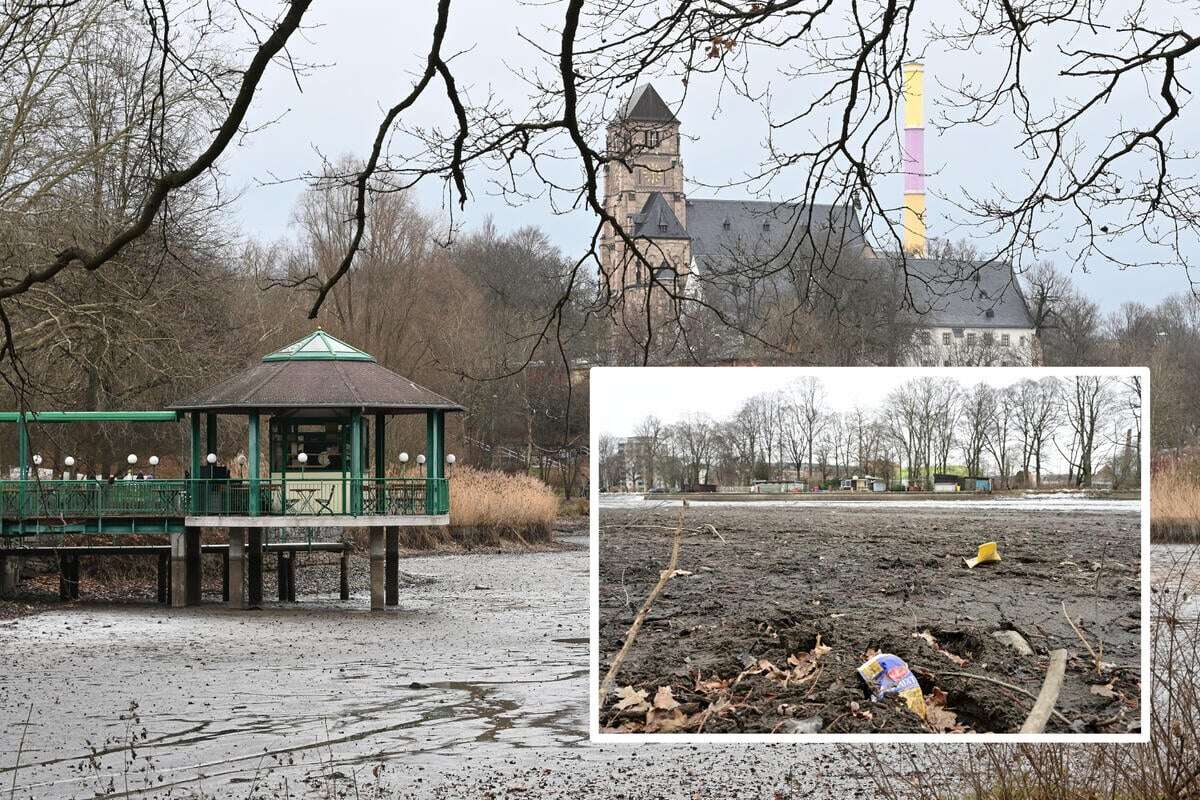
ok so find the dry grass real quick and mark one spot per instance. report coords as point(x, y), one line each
point(1175, 502)
point(499, 500)
point(1175, 492)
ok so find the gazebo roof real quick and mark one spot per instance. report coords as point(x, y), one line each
point(317, 372)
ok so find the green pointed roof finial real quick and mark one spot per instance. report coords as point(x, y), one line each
point(319, 346)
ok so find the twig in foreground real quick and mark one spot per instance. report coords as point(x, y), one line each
point(663, 577)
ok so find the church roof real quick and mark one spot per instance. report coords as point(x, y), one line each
point(657, 220)
point(764, 229)
point(647, 104)
point(960, 293)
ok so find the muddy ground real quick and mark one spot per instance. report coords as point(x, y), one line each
point(475, 687)
point(863, 581)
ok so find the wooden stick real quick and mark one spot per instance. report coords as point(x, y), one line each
point(663, 577)
point(1079, 633)
point(1036, 721)
point(1057, 715)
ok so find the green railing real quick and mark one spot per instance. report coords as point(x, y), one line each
point(297, 496)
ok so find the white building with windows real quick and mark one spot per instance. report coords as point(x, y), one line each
point(971, 314)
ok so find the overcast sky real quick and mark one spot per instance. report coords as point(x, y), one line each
point(368, 51)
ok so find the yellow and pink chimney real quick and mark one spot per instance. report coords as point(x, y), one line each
point(912, 220)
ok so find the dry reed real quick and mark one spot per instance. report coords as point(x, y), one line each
point(500, 500)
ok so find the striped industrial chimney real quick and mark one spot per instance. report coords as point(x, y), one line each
point(913, 218)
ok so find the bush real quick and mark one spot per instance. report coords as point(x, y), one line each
point(483, 499)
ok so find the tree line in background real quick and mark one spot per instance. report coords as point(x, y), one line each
point(923, 427)
point(97, 112)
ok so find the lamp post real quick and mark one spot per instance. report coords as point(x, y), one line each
point(131, 460)
point(69, 461)
point(153, 465)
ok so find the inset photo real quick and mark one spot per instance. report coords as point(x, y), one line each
point(862, 553)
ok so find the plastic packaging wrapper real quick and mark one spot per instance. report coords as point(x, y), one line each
point(887, 675)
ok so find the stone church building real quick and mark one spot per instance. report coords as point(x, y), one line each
point(729, 261)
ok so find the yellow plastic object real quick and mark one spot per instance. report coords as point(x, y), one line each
point(987, 554)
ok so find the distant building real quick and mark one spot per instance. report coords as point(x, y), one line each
point(716, 253)
point(634, 453)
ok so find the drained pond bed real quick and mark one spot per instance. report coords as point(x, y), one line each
point(771, 611)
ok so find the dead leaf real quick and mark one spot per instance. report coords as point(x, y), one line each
point(939, 718)
point(1103, 689)
point(665, 721)
point(680, 573)
point(664, 699)
point(927, 637)
point(632, 699)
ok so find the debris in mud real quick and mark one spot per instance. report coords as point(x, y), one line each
point(987, 554)
point(886, 675)
point(771, 639)
point(927, 637)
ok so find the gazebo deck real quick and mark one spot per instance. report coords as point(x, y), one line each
point(164, 499)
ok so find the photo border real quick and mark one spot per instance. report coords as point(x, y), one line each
point(594, 733)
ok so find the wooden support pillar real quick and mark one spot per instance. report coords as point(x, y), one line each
point(392, 566)
point(236, 568)
point(76, 576)
point(164, 577)
point(191, 538)
point(378, 556)
point(283, 575)
point(225, 576)
point(66, 579)
point(291, 577)
point(344, 590)
point(254, 571)
point(178, 570)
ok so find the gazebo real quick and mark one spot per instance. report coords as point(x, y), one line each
point(326, 404)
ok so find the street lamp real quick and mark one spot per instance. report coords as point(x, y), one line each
point(211, 458)
point(450, 459)
point(37, 459)
point(303, 459)
point(69, 461)
point(153, 465)
point(421, 458)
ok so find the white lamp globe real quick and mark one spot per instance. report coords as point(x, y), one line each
point(421, 458)
point(404, 458)
point(302, 458)
point(37, 458)
point(450, 459)
point(211, 458)
point(154, 461)
point(131, 458)
point(69, 461)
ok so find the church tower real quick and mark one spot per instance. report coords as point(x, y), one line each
point(643, 191)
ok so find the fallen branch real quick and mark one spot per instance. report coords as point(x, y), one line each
point(1007, 685)
point(1082, 638)
point(1036, 721)
point(631, 634)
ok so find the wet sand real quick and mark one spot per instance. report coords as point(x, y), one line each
point(475, 687)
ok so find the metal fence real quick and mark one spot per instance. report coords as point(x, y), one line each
point(224, 497)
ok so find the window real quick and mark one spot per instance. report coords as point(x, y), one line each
point(946, 337)
point(726, 224)
point(1022, 341)
point(971, 339)
point(1004, 339)
point(924, 337)
point(987, 340)
point(650, 138)
point(766, 226)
